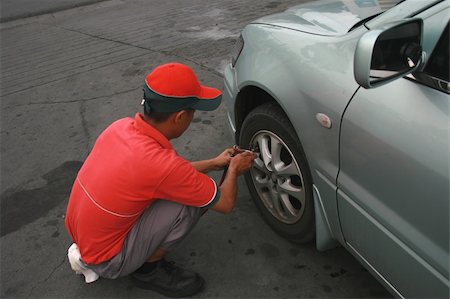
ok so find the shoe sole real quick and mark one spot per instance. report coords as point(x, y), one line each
point(191, 290)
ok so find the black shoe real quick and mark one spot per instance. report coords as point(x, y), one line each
point(169, 280)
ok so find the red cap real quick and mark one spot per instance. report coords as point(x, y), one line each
point(178, 81)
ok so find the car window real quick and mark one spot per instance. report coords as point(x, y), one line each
point(438, 64)
point(436, 71)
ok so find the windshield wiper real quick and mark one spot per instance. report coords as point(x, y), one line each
point(364, 20)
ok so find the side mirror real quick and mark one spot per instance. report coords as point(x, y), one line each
point(387, 53)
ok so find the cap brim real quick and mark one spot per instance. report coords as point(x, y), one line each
point(208, 93)
point(209, 99)
point(207, 104)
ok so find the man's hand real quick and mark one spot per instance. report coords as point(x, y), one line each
point(223, 160)
point(242, 162)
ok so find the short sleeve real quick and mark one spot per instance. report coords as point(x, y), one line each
point(185, 185)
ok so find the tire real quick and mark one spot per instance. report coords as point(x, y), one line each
point(280, 180)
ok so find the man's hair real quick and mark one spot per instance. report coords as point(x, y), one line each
point(158, 117)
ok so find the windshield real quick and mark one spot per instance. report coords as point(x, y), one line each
point(384, 5)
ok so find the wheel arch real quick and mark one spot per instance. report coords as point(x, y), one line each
point(253, 95)
point(248, 98)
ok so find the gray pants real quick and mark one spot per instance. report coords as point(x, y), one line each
point(162, 225)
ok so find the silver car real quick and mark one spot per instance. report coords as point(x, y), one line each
point(347, 104)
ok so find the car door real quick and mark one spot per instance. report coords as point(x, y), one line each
point(393, 184)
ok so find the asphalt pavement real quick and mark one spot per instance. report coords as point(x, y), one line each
point(11, 10)
point(65, 77)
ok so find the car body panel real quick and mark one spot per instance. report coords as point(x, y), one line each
point(383, 174)
point(299, 71)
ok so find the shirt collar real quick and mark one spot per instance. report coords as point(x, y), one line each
point(142, 126)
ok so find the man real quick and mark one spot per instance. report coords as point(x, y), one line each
point(135, 199)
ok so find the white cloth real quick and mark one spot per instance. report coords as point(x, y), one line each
point(77, 265)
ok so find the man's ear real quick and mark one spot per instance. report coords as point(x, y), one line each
point(178, 116)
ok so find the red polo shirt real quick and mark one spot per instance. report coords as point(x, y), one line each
point(130, 166)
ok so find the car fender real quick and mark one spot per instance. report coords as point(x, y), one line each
point(287, 65)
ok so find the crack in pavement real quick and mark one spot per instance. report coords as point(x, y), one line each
point(165, 52)
point(82, 109)
point(45, 279)
point(82, 100)
point(84, 125)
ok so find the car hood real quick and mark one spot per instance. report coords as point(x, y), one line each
point(327, 17)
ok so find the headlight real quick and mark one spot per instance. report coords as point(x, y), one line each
point(237, 50)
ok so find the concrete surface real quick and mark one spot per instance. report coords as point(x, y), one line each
point(64, 78)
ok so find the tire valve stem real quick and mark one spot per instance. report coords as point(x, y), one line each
point(239, 150)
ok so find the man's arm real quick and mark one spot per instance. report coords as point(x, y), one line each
point(239, 164)
point(216, 163)
point(205, 166)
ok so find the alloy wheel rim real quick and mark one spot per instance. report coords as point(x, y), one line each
point(277, 177)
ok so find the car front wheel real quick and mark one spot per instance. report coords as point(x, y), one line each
point(279, 181)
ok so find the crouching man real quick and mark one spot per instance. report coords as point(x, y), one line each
point(135, 199)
